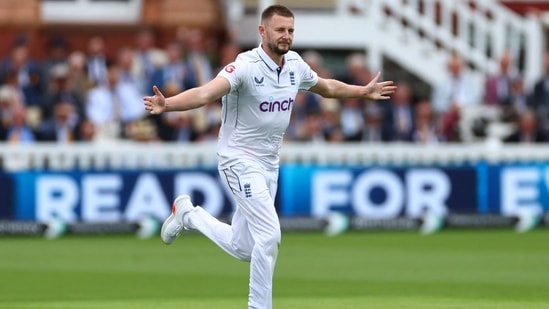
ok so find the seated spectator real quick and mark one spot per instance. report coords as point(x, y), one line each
point(142, 130)
point(321, 125)
point(128, 89)
point(124, 62)
point(136, 125)
point(61, 126)
point(147, 58)
point(11, 80)
point(312, 129)
point(527, 130)
point(112, 107)
point(23, 73)
point(335, 135)
point(18, 131)
point(497, 87)
point(57, 52)
point(96, 61)
point(164, 123)
point(425, 129)
point(80, 84)
point(103, 106)
point(357, 71)
point(517, 103)
point(398, 118)
point(197, 58)
point(85, 131)
point(180, 127)
point(175, 71)
point(457, 91)
point(352, 119)
point(332, 120)
point(372, 130)
point(61, 90)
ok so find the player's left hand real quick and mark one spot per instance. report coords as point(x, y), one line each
point(379, 90)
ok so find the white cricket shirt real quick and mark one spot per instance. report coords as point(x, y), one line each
point(256, 112)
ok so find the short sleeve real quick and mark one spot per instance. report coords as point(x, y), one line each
point(234, 73)
point(309, 78)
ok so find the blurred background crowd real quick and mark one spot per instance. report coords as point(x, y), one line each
point(74, 95)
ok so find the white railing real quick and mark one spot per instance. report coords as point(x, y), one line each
point(480, 31)
point(417, 34)
point(129, 155)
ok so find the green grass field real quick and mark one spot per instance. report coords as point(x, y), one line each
point(452, 269)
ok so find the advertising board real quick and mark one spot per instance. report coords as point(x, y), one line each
point(377, 192)
point(374, 192)
point(114, 196)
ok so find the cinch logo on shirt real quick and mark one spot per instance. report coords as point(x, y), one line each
point(275, 106)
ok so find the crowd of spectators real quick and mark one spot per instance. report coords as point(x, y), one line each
point(82, 95)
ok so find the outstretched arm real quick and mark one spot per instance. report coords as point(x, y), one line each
point(189, 99)
point(374, 90)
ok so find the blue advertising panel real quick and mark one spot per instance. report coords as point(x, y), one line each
point(114, 196)
point(518, 187)
point(377, 192)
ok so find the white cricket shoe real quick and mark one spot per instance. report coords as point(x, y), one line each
point(173, 225)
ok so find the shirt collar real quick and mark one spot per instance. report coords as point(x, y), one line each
point(268, 60)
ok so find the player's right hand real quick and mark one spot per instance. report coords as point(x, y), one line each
point(155, 104)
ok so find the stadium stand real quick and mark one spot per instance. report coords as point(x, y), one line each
point(45, 33)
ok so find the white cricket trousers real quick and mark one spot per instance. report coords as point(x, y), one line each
point(254, 234)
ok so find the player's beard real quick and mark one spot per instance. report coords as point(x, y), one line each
point(277, 50)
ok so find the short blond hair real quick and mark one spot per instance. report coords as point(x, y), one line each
point(275, 9)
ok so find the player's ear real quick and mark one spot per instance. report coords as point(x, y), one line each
point(261, 30)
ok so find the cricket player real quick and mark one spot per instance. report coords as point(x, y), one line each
point(258, 91)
